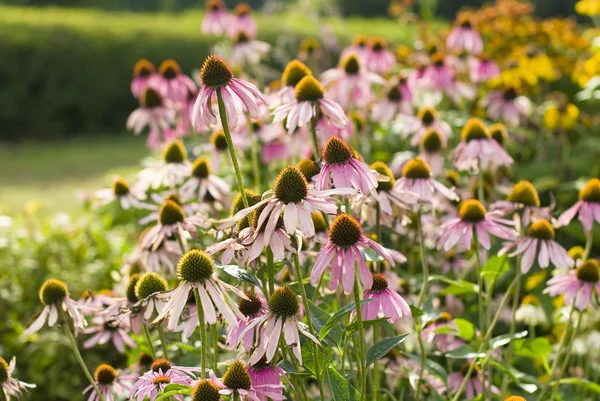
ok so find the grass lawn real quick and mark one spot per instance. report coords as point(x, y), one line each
point(51, 173)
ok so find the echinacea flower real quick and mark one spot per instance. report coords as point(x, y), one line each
point(539, 241)
point(359, 46)
point(158, 377)
point(110, 382)
point(473, 219)
point(237, 383)
point(385, 302)
point(264, 374)
point(120, 191)
point(243, 19)
point(417, 179)
point(162, 259)
point(217, 20)
point(150, 290)
point(283, 317)
point(588, 206)
point(507, 105)
point(342, 252)
point(430, 147)
point(474, 381)
point(482, 68)
point(54, 295)
point(238, 95)
point(439, 77)
point(171, 83)
point(396, 101)
point(378, 58)
point(292, 74)
point(454, 261)
point(143, 71)
point(104, 329)
point(426, 119)
point(478, 149)
point(126, 308)
point(170, 170)
point(156, 114)
point(205, 185)
point(196, 272)
point(246, 50)
point(311, 49)
point(389, 195)
point(464, 38)
point(580, 285)
point(10, 386)
point(252, 307)
point(309, 95)
point(343, 169)
point(435, 330)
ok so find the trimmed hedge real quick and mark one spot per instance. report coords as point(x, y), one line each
point(67, 72)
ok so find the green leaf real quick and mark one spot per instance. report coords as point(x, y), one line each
point(289, 369)
point(319, 319)
point(378, 350)
point(495, 267)
point(502, 340)
point(240, 274)
point(593, 386)
point(353, 327)
point(455, 287)
point(466, 330)
point(464, 352)
point(308, 359)
point(537, 348)
point(174, 389)
point(522, 380)
point(341, 389)
point(187, 347)
point(431, 365)
point(339, 315)
point(416, 312)
point(370, 255)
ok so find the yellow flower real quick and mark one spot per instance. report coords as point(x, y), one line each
point(588, 7)
point(538, 63)
point(561, 117)
point(587, 69)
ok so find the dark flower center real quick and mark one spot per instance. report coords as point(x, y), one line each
point(499, 133)
point(589, 271)
point(242, 10)
point(432, 141)
point(577, 252)
point(150, 283)
point(437, 60)
point(237, 377)
point(345, 231)
point(464, 369)
point(541, 229)
point(105, 374)
point(143, 68)
point(290, 185)
point(427, 116)
point(394, 94)
point(416, 168)
point(250, 306)
point(201, 168)
point(215, 5)
point(215, 72)
point(170, 213)
point(150, 99)
point(195, 266)
point(145, 360)
point(384, 170)
point(293, 73)
point(161, 365)
point(169, 69)
point(206, 390)
point(472, 211)
point(524, 193)
point(130, 293)
point(53, 292)
point(591, 191)
point(3, 371)
point(466, 24)
point(174, 152)
point(360, 40)
point(474, 129)
point(351, 64)
point(380, 283)
point(218, 139)
point(309, 89)
point(284, 303)
point(337, 151)
point(309, 168)
point(310, 45)
point(378, 44)
point(242, 37)
point(120, 187)
point(161, 380)
point(510, 94)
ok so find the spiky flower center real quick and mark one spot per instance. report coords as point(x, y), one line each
point(466, 24)
point(451, 256)
point(206, 390)
point(236, 377)
point(293, 73)
point(290, 185)
point(309, 168)
point(170, 213)
point(215, 72)
point(215, 5)
point(452, 177)
point(143, 68)
point(541, 229)
point(120, 187)
point(337, 151)
point(3, 370)
point(145, 360)
point(238, 203)
point(380, 283)
point(53, 292)
point(174, 152)
point(589, 271)
point(255, 217)
point(169, 69)
point(284, 302)
point(576, 252)
point(472, 211)
point(310, 45)
point(345, 231)
point(432, 141)
point(219, 141)
point(510, 94)
point(427, 115)
point(474, 129)
point(360, 40)
point(351, 65)
point(242, 9)
point(105, 374)
point(150, 99)
point(591, 191)
point(195, 266)
point(416, 168)
point(437, 60)
point(250, 306)
point(319, 222)
point(309, 89)
point(444, 317)
point(161, 380)
point(161, 365)
point(150, 283)
point(384, 170)
point(464, 369)
point(524, 193)
point(130, 293)
point(499, 133)
point(394, 94)
point(378, 44)
point(201, 168)
point(242, 37)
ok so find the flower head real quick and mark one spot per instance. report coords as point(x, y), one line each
point(478, 149)
point(417, 178)
point(8, 384)
point(578, 285)
point(109, 382)
point(588, 206)
point(386, 303)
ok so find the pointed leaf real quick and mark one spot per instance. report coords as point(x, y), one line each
point(593, 386)
point(353, 327)
point(502, 340)
point(339, 315)
point(378, 350)
point(464, 352)
point(341, 389)
point(240, 274)
point(495, 267)
point(174, 389)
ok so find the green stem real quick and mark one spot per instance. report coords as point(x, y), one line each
point(480, 191)
point(480, 295)
point(424, 266)
point(148, 339)
point(234, 159)
point(78, 356)
point(163, 341)
point(375, 366)
point(311, 328)
point(589, 240)
point(270, 271)
point(361, 341)
point(202, 325)
point(423, 360)
point(317, 289)
point(215, 338)
point(313, 135)
point(254, 150)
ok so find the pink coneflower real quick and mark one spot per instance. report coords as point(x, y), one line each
point(156, 114)
point(343, 169)
point(263, 374)
point(578, 285)
point(406, 368)
point(440, 77)
point(243, 20)
point(168, 171)
point(252, 307)
point(110, 382)
point(445, 342)
point(478, 149)
point(171, 83)
point(189, 204)
point(121, 192)
point(359, 46)
point(283, 317)
point(417, 178)
point(311, 49)
point(588, 206)
point(204, 185)
point(454, 261)
point(395, 102)
point(426, 119)
point(325, 130)
point(389, 196)
point(473, 218)
point(506, 105)
point(160, 376)
point(246, 50)
point(238, 95)
point(105, 330)
point(387, 303)
point(255, 241)
point(346, 240)
point(540, 235)
point(523, 198)
point(196, 272)
point(127, 308)
point(292, 74)
point(350, 84)
point(473, 387)
point(217, 20)
point(237, 383)
point(55, 297)
point(162, 259)
point(482, 68)
point(464, 38)
point(143, 71)
point(150, 291)
point(10, 386)
point(378, 58)
point(309, 95)
point(430, 147)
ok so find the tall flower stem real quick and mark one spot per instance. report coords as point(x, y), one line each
point(480, 295)
point(315, 139)
point(589, 240)
point(255, 162)
point(270, 271)
point(234, 159)
point(311, 328)
point(163, 341)
point(78, 356)
point(215, 338)
point(423, 360)
point(480, 191)
point(424, 266)
point(202, 325)
point(375, 366)
point(361, 335)
point(148, 339)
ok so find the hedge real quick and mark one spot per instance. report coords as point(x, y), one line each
point(66, 72)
